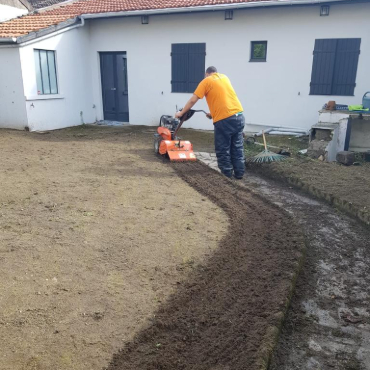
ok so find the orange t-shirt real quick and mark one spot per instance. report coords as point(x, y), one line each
point(220, 95)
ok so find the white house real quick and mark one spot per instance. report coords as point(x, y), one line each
point(129, 61)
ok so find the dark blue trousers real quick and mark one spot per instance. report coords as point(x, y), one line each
point(229, 145)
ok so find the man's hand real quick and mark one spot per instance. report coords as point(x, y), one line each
point(208, 115)
point(187, 107)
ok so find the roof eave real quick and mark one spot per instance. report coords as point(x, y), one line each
point(72, 22)
point(256, 4)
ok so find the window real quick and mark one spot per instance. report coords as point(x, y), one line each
point(258, 51)
point(188, 66)
point(46, 75)
point(334, 67)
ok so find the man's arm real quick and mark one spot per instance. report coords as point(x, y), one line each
point(188, 106)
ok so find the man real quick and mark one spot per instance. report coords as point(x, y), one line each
point(228, 120)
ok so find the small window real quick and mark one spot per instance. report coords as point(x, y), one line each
point(258, 51)
point(46, 74)
point(188, 66)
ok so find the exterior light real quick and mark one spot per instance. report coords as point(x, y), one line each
point(144, 19)
point(324, 11)
point(229, 15)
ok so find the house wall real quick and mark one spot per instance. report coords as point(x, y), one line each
point(272, 93)
point(73, 105)
point(12, 103)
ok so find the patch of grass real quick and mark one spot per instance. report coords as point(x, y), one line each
point(286, 142)
point(291, 144)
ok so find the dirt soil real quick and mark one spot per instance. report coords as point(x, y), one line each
point(95, 234)
point(347, 183)
point(350, 183)
point(104, 246)
point(226, 315)
point(328, 323)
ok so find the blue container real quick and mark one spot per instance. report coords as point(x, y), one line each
point(366, 100)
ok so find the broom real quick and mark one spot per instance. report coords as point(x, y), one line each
point(266, 156)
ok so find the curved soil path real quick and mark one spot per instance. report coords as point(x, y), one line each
point(226, 315)
point(328, 324)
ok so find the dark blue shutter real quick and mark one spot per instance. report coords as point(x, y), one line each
point(180, 67)
point(188, 65)
point(197, 65)
point(323, 67)
point(334, 67)
point(345, 70)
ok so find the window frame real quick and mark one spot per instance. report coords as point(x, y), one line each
point(39, 69)
point(258, 60)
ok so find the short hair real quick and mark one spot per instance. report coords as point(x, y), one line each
point(211, 70)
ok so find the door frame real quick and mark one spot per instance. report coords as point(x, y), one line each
point(100, 53)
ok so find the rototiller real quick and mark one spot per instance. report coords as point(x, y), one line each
point(168, 144)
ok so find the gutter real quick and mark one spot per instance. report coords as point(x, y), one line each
point(8, 40)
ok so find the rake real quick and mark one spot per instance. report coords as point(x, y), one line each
point(266, 156)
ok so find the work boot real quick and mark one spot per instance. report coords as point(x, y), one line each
point(228, 174)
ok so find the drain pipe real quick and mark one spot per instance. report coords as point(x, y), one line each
point(283, 131)
point(278, 130)
point(288, 133)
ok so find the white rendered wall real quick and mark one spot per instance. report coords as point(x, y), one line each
point(8, 12)
point(12, 102)
point(272, 93)
point(74, 104)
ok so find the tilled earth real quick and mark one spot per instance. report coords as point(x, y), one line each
point(328, 324)
point(104, 246)
point(95, 233)
point(226, 315)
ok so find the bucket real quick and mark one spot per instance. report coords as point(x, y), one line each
point(366, 100)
